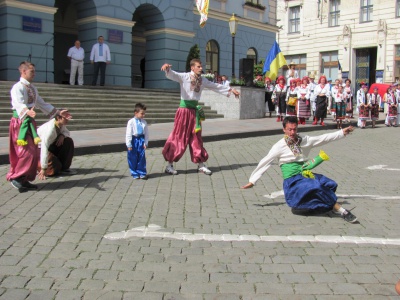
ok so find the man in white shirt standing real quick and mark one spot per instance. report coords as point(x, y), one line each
point(100, 57)
point(76, 55)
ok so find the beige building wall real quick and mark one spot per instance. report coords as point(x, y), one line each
point(315, 36)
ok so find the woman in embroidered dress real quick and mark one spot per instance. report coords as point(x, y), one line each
point(392, 107)
point(303, 103)
point(322, 93)
point(291, 98)
point(279, 98)
point(349, 99)
point(332, 106)
point(374, 105)
point(363, 107)
point(340, 106)
point(269, 89)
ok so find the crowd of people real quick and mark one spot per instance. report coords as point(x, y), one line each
point(305, 99)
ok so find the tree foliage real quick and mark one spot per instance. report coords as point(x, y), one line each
point(194, 52)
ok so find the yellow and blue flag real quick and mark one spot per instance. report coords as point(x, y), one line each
point(274, 61)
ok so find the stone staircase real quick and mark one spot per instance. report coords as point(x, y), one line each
point(99, 107)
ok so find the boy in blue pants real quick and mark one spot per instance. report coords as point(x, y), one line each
point(137, 139)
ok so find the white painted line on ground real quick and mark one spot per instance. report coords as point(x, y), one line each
point(153, 231)
point(381, 167)
point(277, 194)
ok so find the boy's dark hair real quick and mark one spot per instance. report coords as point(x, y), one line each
point(58, 116)
point(290, 119)
point(139, 106)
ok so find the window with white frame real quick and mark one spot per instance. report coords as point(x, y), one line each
point(330, 64)
point(212, 56)
point(397, 64)
point(294, 19)
point(366, 10)
point(397, 8)
point(301, 64)
point(334, 13)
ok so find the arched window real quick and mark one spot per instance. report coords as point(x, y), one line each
point(252, 53)
point(212, 56)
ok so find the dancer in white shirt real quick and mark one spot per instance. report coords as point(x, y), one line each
point(306, 193)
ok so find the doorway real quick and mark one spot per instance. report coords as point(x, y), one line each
point(366, 65)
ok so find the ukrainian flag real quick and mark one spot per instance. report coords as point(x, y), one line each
point(274, 61)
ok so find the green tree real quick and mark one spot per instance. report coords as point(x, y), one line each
point(194, 52)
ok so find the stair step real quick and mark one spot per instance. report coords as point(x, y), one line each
point(100, 107)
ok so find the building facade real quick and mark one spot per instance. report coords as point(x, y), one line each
point(356, 39)
point(160, 31)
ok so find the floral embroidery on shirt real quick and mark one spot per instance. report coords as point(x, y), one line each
point(195, 82)
point(31, 94)
point(294, 145)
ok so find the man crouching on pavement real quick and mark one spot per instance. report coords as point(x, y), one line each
point(57, 147)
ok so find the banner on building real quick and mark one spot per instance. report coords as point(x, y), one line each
point(202, 7)
point(274, 61)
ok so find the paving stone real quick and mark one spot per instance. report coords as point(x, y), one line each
point(41, 295)
point(15, 294)
point(15, 282)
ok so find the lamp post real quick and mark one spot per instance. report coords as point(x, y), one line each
point(233, 23)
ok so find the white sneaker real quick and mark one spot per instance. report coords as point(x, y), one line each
point(170, 170)
point(204, 170)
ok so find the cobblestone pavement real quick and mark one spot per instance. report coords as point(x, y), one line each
point(52, 243)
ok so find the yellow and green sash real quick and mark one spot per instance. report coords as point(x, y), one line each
point(304, 168)
point(193, 104)
point(26, 125)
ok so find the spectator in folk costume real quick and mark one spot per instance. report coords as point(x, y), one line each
point(187, 125)
point(398, 99)
point(303, 102)
point(340, 106)
point(332, 105)
point(269, 89)
point(384, 102)
point(298, 82)
point(321, 92)
point(311, 87)
point(56, 148)
point(374, 105)
point(291, 98)
point(279, 98)
point(23, 138)
point(363, 107)
point(348, 91)
point(392, 107)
